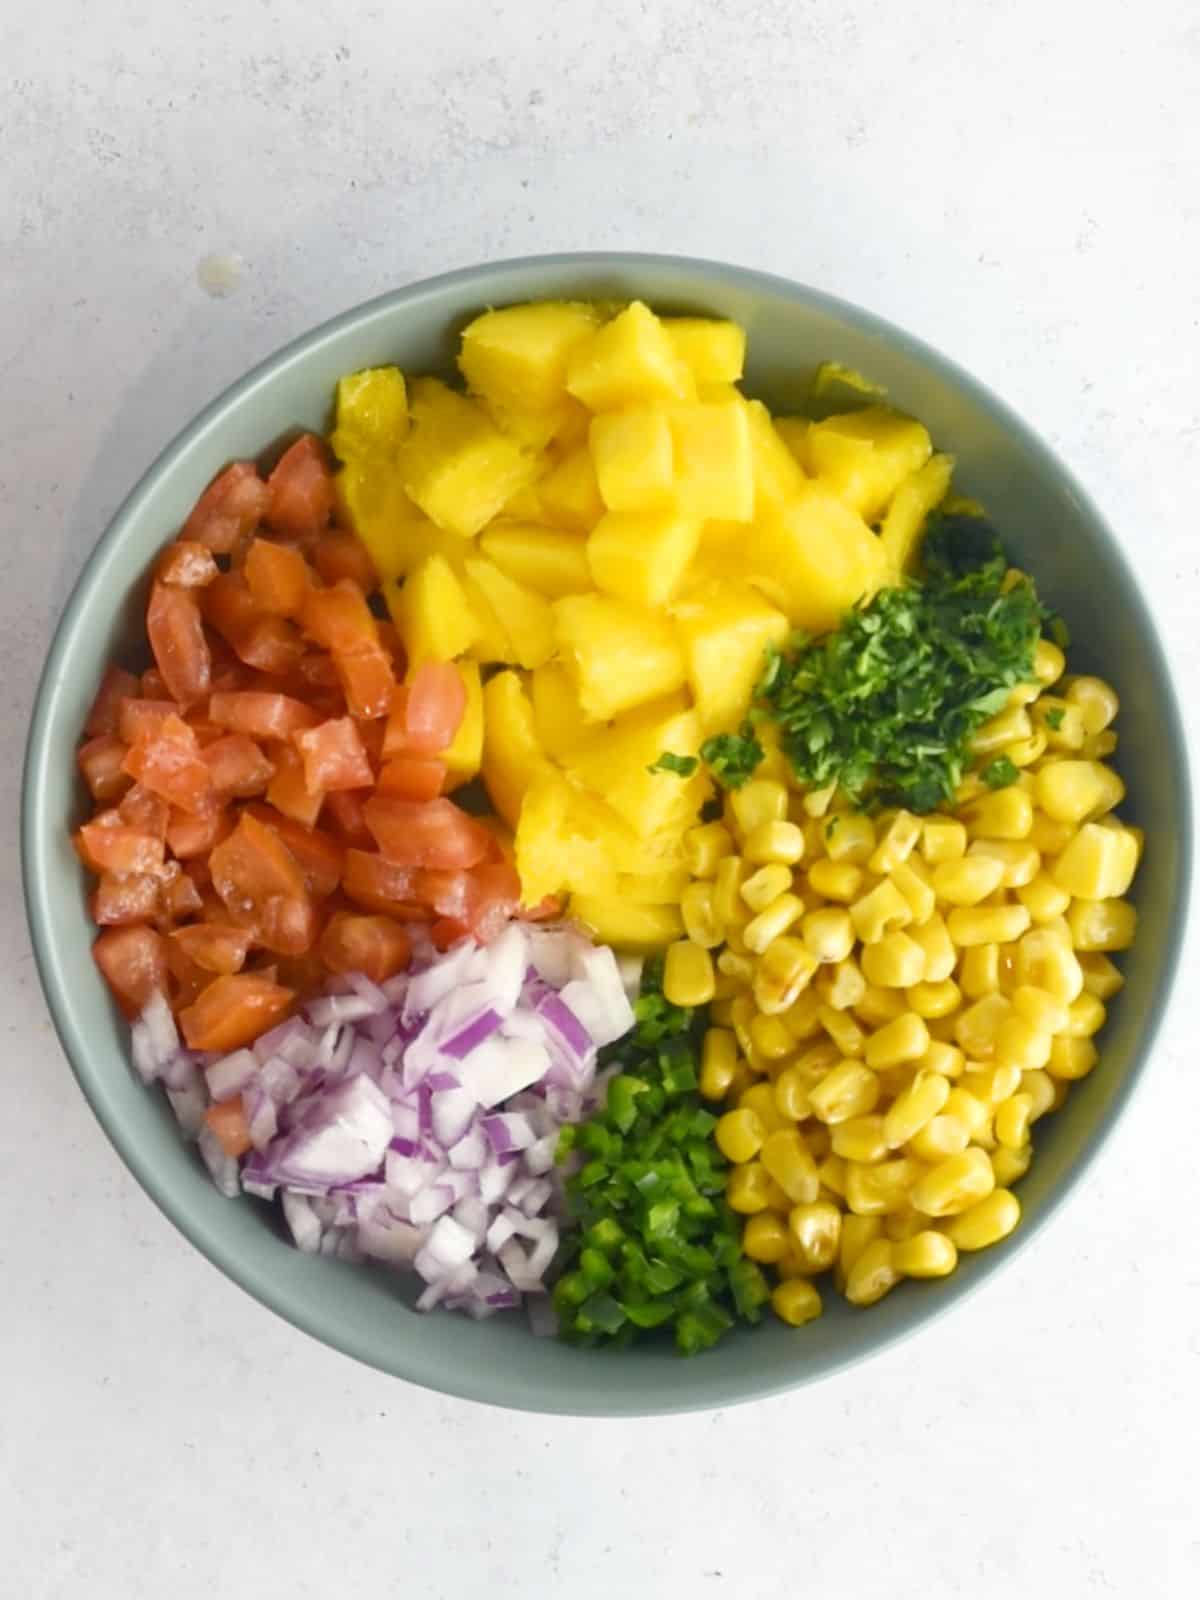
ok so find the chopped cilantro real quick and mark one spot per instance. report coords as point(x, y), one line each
point(1000, 772)
point(681, 766)
point(732, 757)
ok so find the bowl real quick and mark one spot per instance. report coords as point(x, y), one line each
point(1049, 525)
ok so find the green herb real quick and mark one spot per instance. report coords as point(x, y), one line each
point(1000, 772)
point(651, 1242)
point(732, 757)
point(886, 706)
point(1053, 718)
point(681, 766)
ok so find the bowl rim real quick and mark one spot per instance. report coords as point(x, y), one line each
point(34, 835)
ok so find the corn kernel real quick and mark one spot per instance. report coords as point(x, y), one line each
point(770, 1038)
point(941, 1136)
point(1039, 1008)
point(860, 1139)
point(848, 1090)
point(896, 844)
point(765, 1238)
point(743, 1079)
point(773, 921)
point(933, 940)
point(1085, 1016)
point(942, 1057)
point(1060, 723)
point(841, 985)
point(986, 1222)
point(829, 933)
point(766, 885)
point(842, 1030)
point(746, 1189)
point(976, 1028)
point(954, 1184)
point(968, 880)
point(740, 1135)
point(787, 1159)
point(721, 1010)
point(1098, 864)
point(919, 1104)
point(1049, 663)
point(931, 1000)
point(777, 1201)
point(1099, 746)
point(882, 1186)
point(1102, 924)
point(835, 880)
point(903, 1224)
point(1071, 1058)
point(760, 1099)
point(817, 1060)
point(1020, 1044)
point(1043, 898)
point(894, 961)
point(990, 1085)
point(1042, 1090)
point(728, 906)
point(979, 970)
point(928, 1254)
point(872, 1275)
point(816, 802)
point(1101, 977)
point(849, 836)
point(796, 1302)
point(704, 846)
point(687, 974)
point(1017, 857)
point(1046, 961)
point(816, 1231)
point(775, 842)
point(881, 910)
point(1074, 791)
point(700, 921)
point(913, 883)
point(973, 925)
point(1003, 728)
point(791, 1095)
point(1024, 752)
point(855, 1235)
point(903, 1039)
point(878, 1006)
point(739, 968)
point(942, 839)
point(802, 1018)
point(1011, 1121)
point(760, 800)
point(785, 969)
point(718, 1058)
point(1008, 1166)
point(1002, 814)
point(973, 1113)
point(1097, 702)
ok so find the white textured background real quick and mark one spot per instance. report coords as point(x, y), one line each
point(1018, 182)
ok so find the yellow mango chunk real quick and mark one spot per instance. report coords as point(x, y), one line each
point(375, 505)
point(455, 463)
point(906, 516)
point(725, 629)
point(662, 887)
point(557, 714)
point(778, 475)
point(516, 357)
point(464, 757)
point(431, 612)
point(714, 466)
point(618, 655)
point(714, 351)
point(640, 556)
point(634, 458)
point(616, 762)
point(548, 560)
point(553, 852)
point(512, 757)
point(865, 455)
point(814, 558)
point(628, 361)
point(569, 494)
point(794, 432)
point(525, 617)
point(371, 414)
point(615, 920)
point(536, 430)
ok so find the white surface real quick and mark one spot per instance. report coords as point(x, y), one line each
point(1017, 183)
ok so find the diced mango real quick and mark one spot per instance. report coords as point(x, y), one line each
point(778, 475)
point(525, 616)
point(662, 887)
point(794, 432)
point(865, 455)
point(516, 357)
point(492, 642)
point(906, 516)
point(714, 351)
point(714, 465)
point(557, 715)
point(553, 853)
point(628, 361)
point(548, 560)
point(614, 919)
point(536, 430)
point(431, 612)
point(512, 757)
point(814, 558)
point(640, 556)
point(455, 463)
point(375, 505)
point(618, 655)
point(634, 458)
point(569, 494)
point(371, 414)
point(725, 629)
point(464, 757)
point(616, 763)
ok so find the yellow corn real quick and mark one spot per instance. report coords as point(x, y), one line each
point(796, 1302)
point(1002, 814)
point(842, 1030)
point(1043, 898)
point(803, 1017)
point(1098, 746)
point(777, 1201)
point(815, 1233)
point(881, 910)
point(1097, 702)
point(933, 940)
point(903, 1039)
point(896, 844)
point(704, 846)
point(942, 839)
point(791, 1095)
point(848, 1090)
point(773, 921)
point(1102, 924)
point(835, 880)
point(743, 1079)
point(747, 1189)
point(860, 1139)
point(1019, 860)
point(849, 836)
point(760, 1099)
point(1085, 1016)
point(855, 1235)
point(1098, 864)
point(721, 1010)
point(784, 970)
point(698, 910)
point(940, 1137)
point(1000, 730)
point(1071, 1058)
point(1040, 1009)
point(968, 1109)
point(976, 1028)
point(894, 961)
point(740, 969)
point(766, 885)
point(775, 842)
point(765, 1238)
point(1024, 752)
point(912, 1110)
point(1101, 977)
point(1042, 1091)
point(829, 933)
point(841, 985)
point(928, 1254)
point(771, 1040)
point(1020, 1044)
point(882, 1186)
point(1073, 791)
point(942, 1057)
point(832, 1173)
point(979, 971)
point(1008, 1166)
point(878, 1006)
point(725, 987)
point(760, 800)
point(954, 1184)
point(740, 1135)
point(992, 1084)
point(718, 1059)
point(968, 880)
point(728, 906)
point(816, 802)
point(931, 1000)
point(1012, 1121)
point(1049, 663)
point(786, 1158)
point(903, 1224)
point(1046, 960)
point(972, 925)
point(873, 1274)
point(986, 1222)
point(913, 883)
point(817, 1060)
point(687, 974)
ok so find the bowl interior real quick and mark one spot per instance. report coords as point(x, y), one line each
point(1048, 525)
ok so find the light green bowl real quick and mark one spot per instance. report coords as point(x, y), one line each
point(1050, 527)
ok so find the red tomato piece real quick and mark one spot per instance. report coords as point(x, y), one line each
point(300, 490)
point(334, 757)
point(261, 715)
point(346, 818)
point(171, 765)
point(134, 962)
point(261, 640)
point(153, 687)
point(395, 733)
point(186, 564)
point(495, 899)
point(232, 1010)
point(176, 632)
point(115, 686)
point(227, 1120)
point(378, 946)
point(412, 777)
point(449, 894)
point(190, 836)
point(339, 619)
point(447, 931)
point(277, 576)
point(317, 672)
point(229, 671)
point(126, 897)
point(106, 844)
point(263, 887)
point(178, 896)
point(380, 885)
point(238, 766)
point(319, 855)
point(143, 809)
point(143, 719)
point(338, 555)
point(287, 790)
point(437, 698)
point(367, 681)
point(230, 508)
point(217, 947)
point(102, 762)
point(435, 833)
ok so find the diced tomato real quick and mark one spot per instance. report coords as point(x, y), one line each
point(108, 845)
point(153, 687)
point(277, 576)
point(380, 885)
point(190, 836)
point(143, 719)
point(234, 1009)
point(102, 762)
point(389, 638)
point(339, 619)
point(263, 887)
point(287, 790)
point(317, 671)
point(143, 809)
point(338, 555)
point(206, 730)
point(230, 508)
point(395, 733)
point(345, 811)
point(495, 899)
point(261, 715)
point(319, 855)
point(186, 564)
point(171, 765)
point(178, 896)
point(187, 979)
point(334, 757)
point(437, 698)
point(215, 946)
point(134, 961)
point(367, 681)
point(229, 671)
point(300, 490)
point(412, 777)
point(435, 833)
point(126, 897)
point(447, 931)
point(115, 686)
point(227, 1120)
point(447, 893)
point(176, 631)
point(378, 946)
point(238, 766)
point(261, 640)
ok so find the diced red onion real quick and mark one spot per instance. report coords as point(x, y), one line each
point(154, 1038)
point(222, 1168)
point(495, 1071)
point(303, 1221)
point(470, 1153)
point(230, 1074)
